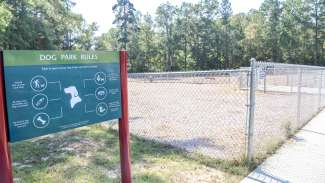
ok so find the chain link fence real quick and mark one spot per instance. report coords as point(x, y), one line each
point(287, 97)
point(200, 112)
point(210, 112)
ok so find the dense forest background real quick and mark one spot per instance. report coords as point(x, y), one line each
point(201, 36)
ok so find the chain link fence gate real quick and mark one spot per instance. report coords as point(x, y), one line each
point(212, 112)
point(287, 97)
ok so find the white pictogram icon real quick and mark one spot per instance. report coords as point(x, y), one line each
point(38, 83)
point(101, 109)
point(101, 93)
point(39, 101)
point(75, 99)
point(100, 78)
point(41, 120)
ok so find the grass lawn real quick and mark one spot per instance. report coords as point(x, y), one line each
point(91, 155)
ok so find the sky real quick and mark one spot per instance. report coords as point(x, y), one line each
point(100, 11)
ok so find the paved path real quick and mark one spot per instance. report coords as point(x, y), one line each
point(301, 160)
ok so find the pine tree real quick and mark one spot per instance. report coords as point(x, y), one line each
point(226, 13)
point(165, 19)
point(272, 13)
point(125, 20)
point(317, 9)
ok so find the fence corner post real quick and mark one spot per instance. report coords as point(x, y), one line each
point(251, 114)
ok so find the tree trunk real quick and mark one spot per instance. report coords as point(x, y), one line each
point(316, 34)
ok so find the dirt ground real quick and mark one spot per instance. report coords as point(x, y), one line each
point(208, 115)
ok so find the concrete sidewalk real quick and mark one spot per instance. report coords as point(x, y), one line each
point(300, 160)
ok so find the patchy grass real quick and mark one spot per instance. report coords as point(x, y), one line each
point(91, 155)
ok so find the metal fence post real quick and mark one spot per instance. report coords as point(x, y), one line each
point(291, 81)
point(287, 78)
point(240, 80)
point(299, 96)
point(320, 91)
point(322, 101)
point(265, 77)
point(257, 73)
point(251, 115)
point(247, 80)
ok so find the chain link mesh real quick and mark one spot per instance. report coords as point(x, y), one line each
point(287, 97)
point(207, 112)
point(202, 112)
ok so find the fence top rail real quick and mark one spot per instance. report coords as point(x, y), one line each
point(287, 66)
point(187, 73)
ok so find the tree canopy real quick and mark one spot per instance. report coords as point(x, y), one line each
point(38, 24)
point(202, 36)
point(207, 35)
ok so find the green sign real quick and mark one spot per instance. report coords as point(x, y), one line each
point(52, 91)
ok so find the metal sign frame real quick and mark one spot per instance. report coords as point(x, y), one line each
point(6, 175)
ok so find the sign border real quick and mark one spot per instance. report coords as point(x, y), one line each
point(124, 135)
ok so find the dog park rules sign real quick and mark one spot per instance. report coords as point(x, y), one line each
point(52, 91)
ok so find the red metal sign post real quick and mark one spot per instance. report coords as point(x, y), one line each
point(5, 159)
point(124, 122)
